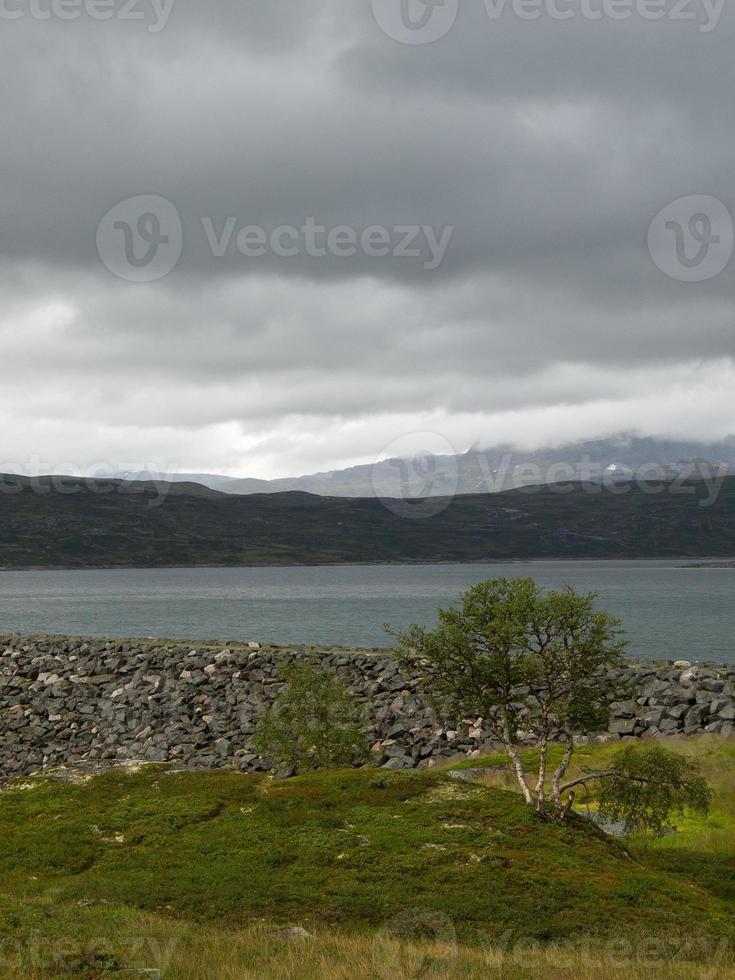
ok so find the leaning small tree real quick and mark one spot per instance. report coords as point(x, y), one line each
point(314, 723)
point(644, 785)
point(545, 664)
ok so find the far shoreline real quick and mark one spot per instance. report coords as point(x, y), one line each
point(693, 562)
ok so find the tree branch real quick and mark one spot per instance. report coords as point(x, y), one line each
point(607, 774)
point(583, 780)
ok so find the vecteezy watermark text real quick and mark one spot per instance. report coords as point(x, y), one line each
point(423, 943)
point(142, 956)
point(42, 477)
point(426, 21)
point(341, 241)
point(704, 13)
point(580, 955)
point(417, 485)
point(141, 239)
point(154, 14)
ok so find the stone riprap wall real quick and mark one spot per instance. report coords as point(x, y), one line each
point(76, 702)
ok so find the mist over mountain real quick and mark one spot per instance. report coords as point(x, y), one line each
point(491, 470)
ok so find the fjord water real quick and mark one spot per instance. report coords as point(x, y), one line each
point(668, 610)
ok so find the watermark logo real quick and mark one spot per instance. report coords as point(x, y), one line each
point(692, 238)
point(415, 21)
point(141, 239)
point(151, 482)
point(310, 238)
point(426, 21)
point(583, 955)
point(416, 483)
point(704, 14)
point(140, 956)
point(154, 14)
point(419, 943)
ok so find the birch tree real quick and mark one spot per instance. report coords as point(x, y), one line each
point(544, 666)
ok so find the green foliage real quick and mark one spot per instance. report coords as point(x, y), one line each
point(517, 656)
point(314, 723)
point(649, 783)
point(355, 847)
point(521, 657)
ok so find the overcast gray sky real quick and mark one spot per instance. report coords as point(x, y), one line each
point(531, 154)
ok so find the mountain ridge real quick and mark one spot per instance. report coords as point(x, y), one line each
point(90, 526)
point(487, 470)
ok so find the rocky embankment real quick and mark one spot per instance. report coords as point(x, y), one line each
point(76, 702)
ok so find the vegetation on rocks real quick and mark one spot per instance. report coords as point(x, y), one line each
point(313, 723)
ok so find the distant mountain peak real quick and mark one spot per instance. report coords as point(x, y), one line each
point(491, 469)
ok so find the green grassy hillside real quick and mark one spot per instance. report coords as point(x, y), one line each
point(134, 525)
point(203, 867)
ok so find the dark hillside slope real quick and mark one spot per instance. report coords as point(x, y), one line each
point(134, 525)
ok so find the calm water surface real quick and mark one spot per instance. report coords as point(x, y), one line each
point(666, 609)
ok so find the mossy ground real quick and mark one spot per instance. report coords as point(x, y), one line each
point(189, 870)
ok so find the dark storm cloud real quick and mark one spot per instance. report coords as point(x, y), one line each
point(547, 147)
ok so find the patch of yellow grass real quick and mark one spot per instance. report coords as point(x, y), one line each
point(450, 790)
point(155, 947)
point(263, 955)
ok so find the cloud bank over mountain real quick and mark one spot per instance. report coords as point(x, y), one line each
point(546, 146)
